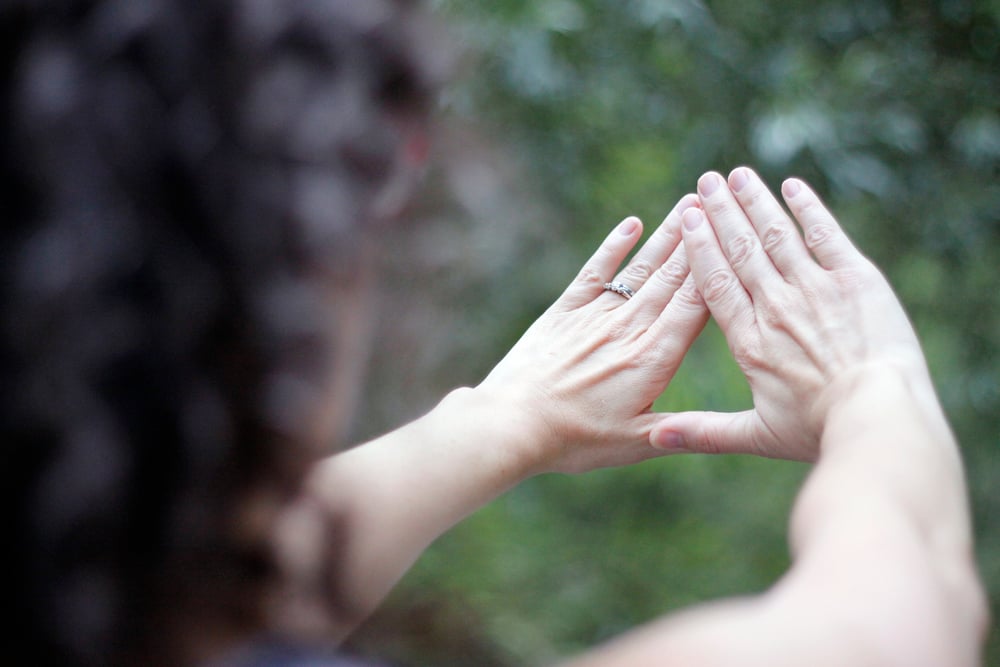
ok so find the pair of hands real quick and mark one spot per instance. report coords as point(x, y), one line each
point(804, 313)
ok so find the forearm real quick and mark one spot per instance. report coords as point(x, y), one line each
point(572, 395)
point(886, 445)
point(882, 573)
point(390, 498)
point(881, 529)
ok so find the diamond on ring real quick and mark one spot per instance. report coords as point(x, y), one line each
point(620, 288)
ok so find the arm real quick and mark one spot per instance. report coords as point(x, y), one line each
point(573, 394)
point(882, 531)
point(882, 569)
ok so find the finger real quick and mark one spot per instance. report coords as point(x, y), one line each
point(778, 235)
point(657, 249)
point(708, 433)
point(722, 291)
point(823, 234)
point(589, 283)
point(659, 289)
point(737, 237)
point(679, 323)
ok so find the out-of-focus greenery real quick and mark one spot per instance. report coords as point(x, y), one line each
point(609, 107)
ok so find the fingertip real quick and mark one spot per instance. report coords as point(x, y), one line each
point(690, 200)
point(791, 188)
point(738, 179)
point(709, 183)
point(693, 218)
point(629, 225)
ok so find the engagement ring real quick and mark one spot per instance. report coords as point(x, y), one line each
point(620, 288)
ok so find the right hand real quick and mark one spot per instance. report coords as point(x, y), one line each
point(803, 326)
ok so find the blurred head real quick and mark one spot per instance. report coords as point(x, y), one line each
point(190, 192)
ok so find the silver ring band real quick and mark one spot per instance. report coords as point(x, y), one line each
point(620, 288)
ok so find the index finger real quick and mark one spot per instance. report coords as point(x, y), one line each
point(725, 295)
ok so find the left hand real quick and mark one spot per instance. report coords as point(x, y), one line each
point(807, 318)
point(586, 373)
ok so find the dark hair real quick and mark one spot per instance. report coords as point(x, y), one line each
point(179, 181)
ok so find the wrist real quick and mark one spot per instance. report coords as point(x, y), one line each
point(862, 382)
point(499, 425)
point(863, 394)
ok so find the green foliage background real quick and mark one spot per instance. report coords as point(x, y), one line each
point(890, 109)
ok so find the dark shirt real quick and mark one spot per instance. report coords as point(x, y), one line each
point(276, 653)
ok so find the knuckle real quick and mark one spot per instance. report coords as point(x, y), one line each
point(741, 248)
point(638, 271)
point(811, 294)
point(718, 284)
point(716, 207)
point(820, 234)
point(759, 444)
point(673, 272)
point(756, 196)
point(618, 329)
point(775, 313)
point(775, 237)
point(639, 351)
point(589, 276)
point(747, 354)
point(688, 295)
point(857, 276)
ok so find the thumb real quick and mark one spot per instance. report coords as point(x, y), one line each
point(707, 432)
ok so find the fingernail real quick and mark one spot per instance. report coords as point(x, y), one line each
point(738, 179)
point(790, 188)
point(628, 226)
point(669, 440)
point(708, 184)
point(687, 201)
point(693, 217)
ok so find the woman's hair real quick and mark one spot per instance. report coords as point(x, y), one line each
point(179, 183)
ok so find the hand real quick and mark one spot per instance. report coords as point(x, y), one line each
point(585, 374)
point(803, 327)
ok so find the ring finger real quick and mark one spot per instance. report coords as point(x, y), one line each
point(652, 255)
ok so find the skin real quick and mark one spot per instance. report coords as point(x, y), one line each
point(882, 571)
point(573, 394)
